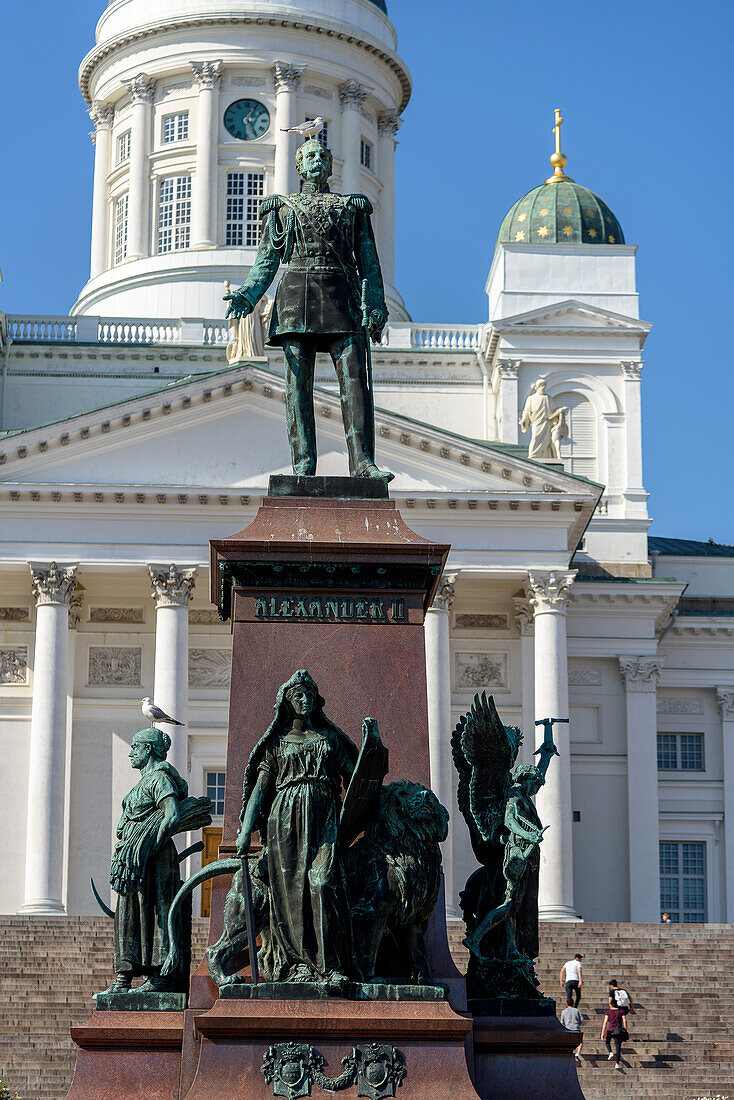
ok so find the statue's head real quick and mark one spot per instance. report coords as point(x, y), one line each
point(314, 162)
point(146, 744)
point(528, 777)
point(540, 385)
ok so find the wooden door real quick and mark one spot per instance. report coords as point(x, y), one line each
point(212, 837)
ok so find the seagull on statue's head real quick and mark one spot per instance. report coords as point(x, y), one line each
point(308, 129)
point(155, 714)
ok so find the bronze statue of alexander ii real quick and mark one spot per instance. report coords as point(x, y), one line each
point(330, 298)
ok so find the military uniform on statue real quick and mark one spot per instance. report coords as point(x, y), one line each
point(330, 299)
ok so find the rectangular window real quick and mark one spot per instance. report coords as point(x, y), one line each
point(123, 147)
point(683, 881)
point(120, 229)
point(176, 127)
point(242, 224)
point(365, 154)
point(174, 213)
point(215, 791)
point(680, 752)
point(323, 137)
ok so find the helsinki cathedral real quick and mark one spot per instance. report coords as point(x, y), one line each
point(140, 426)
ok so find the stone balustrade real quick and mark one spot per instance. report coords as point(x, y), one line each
point(210, 333)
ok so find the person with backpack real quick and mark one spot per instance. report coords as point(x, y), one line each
point(614, 1030)
point(619, 997)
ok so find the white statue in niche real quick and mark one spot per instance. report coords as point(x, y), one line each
point(547, 426)
point(247, 334)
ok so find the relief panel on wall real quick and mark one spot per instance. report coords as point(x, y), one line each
point(480, 622)
point(14, 665)
point(480, 672)
point(115, 665)
point(209, 667)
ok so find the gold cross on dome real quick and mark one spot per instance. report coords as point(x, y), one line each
point(558, 159)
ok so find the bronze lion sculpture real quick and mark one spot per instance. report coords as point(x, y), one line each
point(393, 876)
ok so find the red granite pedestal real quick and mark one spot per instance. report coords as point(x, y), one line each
point(340, 587)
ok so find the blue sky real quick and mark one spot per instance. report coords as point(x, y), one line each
point(646, 92)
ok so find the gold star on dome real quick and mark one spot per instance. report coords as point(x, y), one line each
point(543, 212)
point(566, 210)
point(589, 213)
point(543, 231)
point(567, 230)
point(611, 239)
point(592, 232)
point(519, 236)
point(522, 217)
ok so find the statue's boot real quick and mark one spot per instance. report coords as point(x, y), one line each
point(156, 984)
point(368, 469)
point(121, 983)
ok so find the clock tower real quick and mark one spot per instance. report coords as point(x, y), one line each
point(190, 108)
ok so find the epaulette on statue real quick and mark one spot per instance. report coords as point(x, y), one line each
point(270, 202)
point(360, 202)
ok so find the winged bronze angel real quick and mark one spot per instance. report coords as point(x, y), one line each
point(500, 900)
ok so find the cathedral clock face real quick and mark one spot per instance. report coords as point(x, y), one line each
point(247, 119)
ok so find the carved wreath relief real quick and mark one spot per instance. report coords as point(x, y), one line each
point(376, 1068)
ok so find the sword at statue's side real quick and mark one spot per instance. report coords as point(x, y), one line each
point(368, 342)
point(250, 919)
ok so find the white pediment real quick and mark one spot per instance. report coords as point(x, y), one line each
point(227, 430)
point(571, 314)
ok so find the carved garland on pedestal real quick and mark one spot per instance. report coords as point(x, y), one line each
point(377, 1069)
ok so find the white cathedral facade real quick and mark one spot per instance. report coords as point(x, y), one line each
point(127, 441)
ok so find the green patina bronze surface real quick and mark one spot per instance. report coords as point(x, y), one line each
point(145, 872)
point(330, 298)
point(500, 901)
point(334, 914)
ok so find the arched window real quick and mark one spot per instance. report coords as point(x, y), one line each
point(578, 449)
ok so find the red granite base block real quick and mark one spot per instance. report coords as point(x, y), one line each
point(128, 1054)
point(235, 1036)
point(518, 1058)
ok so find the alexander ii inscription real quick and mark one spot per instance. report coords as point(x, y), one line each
point(327, 608)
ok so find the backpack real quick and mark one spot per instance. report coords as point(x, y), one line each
point(621, 998)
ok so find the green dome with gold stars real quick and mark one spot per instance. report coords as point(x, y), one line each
point(560, 211)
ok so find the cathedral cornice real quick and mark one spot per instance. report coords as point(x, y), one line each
point(101, 53)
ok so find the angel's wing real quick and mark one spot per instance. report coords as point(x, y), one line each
point(484, 751)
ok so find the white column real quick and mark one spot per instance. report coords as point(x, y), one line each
point(438, 689)
point(640, 676)
point(172, 588)
point(549, 594)
point(508, 408)
point(725, 697)
point(44, 861)
point(388, 124)
point(631, 372)
point(141, 88)
point(75, 614)
point(352, 95)
point(287, 79)
point(208, 76)
point(525, 621)
point(102, 115)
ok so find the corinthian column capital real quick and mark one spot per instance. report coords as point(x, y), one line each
point(52, 583)
point(508, 368)
point(632, 370)
point(207, 74)
point(172, 587)
point(640, 673)
point(102, 115)
point(352, 95)
point(140, 87)
point(550, 591)
point(287, 78)
point(444, 598)
point(388, 123)
point(725, 699)
point(524, 617)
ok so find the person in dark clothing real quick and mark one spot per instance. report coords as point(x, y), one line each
point(614, 1030)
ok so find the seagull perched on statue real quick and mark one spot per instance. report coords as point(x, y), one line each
point(308, 129)
point(155, 714)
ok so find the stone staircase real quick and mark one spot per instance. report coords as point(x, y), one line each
point(681, 978)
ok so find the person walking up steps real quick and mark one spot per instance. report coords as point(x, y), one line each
point(571, 980)
point(614, 1030)
point(572, 1020)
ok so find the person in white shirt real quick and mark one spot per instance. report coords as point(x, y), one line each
point(571, 980)
point(572, 1020)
